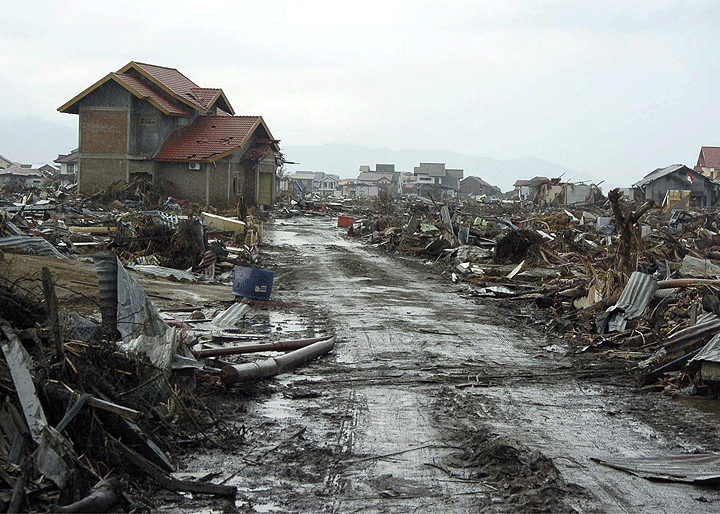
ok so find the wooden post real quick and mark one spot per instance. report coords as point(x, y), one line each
point(51, 302)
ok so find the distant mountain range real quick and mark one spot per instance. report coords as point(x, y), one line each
point(345, 160)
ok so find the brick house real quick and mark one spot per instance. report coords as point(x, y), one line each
point(152, 121)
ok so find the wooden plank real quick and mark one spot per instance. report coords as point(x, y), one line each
point(168, 482)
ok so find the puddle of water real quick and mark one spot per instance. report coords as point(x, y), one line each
point(289, 379)
point(278, 408)
point(266, 507)
point(280, 322)
point(706, 405)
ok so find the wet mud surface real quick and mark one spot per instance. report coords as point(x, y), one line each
point(436, 402)
point(431, 401)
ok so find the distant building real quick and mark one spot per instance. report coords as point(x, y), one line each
point(19, 174)
point(302, 182)
point(528, 189)
point(325, 184)
point(703, 191)
point(708, 163)
point(434, 176)
point(475, 186)
point(384, 168)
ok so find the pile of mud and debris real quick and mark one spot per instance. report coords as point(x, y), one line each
point(101, 388)
point(637, 284)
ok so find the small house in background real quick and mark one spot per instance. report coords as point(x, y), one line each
point(68, 168)
point(302, 182)
point(708, 163)
point(529, 189)
point(704, 192)
point(325, 184)
point(434, 176)
point(523, 189)
point(18, 174)
point(5, 163)
point(475, 186)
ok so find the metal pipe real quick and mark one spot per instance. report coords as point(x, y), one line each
point(687, 282)
point(233, 373)
point(277, 346)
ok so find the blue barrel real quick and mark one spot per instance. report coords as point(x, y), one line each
point(253, 283)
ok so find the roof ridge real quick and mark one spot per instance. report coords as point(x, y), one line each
point(157, 66)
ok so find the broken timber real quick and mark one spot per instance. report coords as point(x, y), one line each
point(168, 482)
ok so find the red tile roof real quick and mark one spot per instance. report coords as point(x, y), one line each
point(166, 88)
point(209, 138)
point(709, 157)
point(140, 89)
point(179, 86)
point(205, 95)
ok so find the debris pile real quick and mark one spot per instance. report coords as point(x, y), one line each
point(637, 283)
point(93, 406)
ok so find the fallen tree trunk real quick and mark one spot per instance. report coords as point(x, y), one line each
point(628, 227)
point(233, 373)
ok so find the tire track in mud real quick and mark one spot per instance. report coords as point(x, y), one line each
point(475, 382)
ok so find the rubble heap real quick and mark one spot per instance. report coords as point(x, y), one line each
point(634, 282)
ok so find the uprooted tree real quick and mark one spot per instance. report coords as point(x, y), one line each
point(627, 222)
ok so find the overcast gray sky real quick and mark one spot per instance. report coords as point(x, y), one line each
point(611, 88)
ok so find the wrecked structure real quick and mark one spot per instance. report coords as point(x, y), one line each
point(152, 121)
point(91, 394)
point(631, 282)
point(618, 282)
point(545, 191)
point(703, 192)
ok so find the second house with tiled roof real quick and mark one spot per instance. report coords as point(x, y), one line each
point(147, 120)
point(708, 163)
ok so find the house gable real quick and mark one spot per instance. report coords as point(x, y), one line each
point(178, 86)
point(709, 157)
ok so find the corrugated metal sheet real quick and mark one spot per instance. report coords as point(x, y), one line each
point(711, 351)
point(30, 245)
point(636, 296)
point(231, 317)
point(169, 273)
point(680, 468)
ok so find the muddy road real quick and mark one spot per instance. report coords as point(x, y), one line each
point(433, 402)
